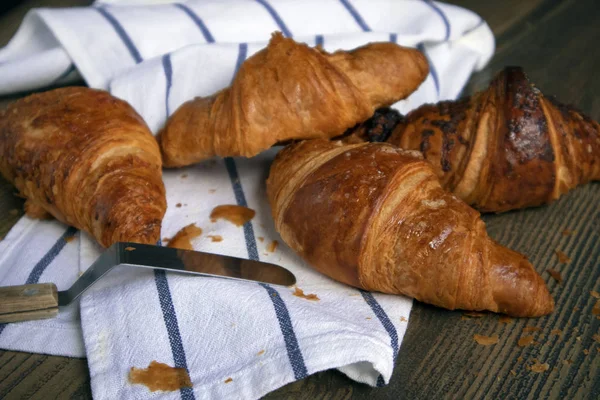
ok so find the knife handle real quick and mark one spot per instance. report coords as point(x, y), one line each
point(28, 302)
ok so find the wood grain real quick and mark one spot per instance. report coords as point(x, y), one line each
point(555, 41)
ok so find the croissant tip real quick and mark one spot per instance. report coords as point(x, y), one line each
point(276, 36)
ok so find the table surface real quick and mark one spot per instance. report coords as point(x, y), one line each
point(556, 42)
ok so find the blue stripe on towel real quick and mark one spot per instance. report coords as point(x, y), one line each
point(281, 311)
point(122, 34)
point(394, 37)
point(40, 267)
point(432, 69)
point(240, 199)
point(276, 17)
point(198, 21)
point(442, 15)
point(242, 54)
point(479, 24)
point(66, 73)
point(319, 41)
point(387, 325)
point(359, 20)
point(172, 325)
point(289, 336)
point(168, 68)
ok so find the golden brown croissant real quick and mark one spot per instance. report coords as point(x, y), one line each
point(88, 159)
point(507, 147)
point(291, 91)
point(374, 216)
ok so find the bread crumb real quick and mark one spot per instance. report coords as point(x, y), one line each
point(596, 337)
point(69, 239)
point(160, 377)
point(261, 239)
point(519, 359)
point(272, 246)
point(513, 373)
point(183, 176)
point(539, 367)
point(238, 215)
point(178, 205)
point(568, 232)
point(212, 190)
point(505, 319)
point(567, 362)
point(586, 351)
point(531, 329)
point(525, 341)
point(596, 309)
point(300, 293)
point(403, 319)
point(183, 238)
point(228, 380)
point(562, 257)
point(556, 332)
point(555, 274)
point(368, 318)
point(260, 353)
point(595, 294)
point(216, 238)
point(129, 248)
point(166, 239)
point(578, 338)
point(486, 340)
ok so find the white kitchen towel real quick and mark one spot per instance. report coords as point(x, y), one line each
point(236, 339)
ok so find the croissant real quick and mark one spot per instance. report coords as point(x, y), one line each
point(86, 158)
point(507, 147)
point(375, 217)
point(291, 91)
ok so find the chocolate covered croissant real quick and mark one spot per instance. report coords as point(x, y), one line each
point(291, 91)
point(505, 148)
point(375, 217)
point(88, 159)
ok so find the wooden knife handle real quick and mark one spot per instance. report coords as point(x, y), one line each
point(28, 302)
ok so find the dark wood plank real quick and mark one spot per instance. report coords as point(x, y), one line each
point(500, 15)
point(555, 41)
point(11, 20)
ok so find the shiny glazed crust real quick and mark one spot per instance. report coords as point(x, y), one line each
point(375, 217)
point(86, 158)
point(291, 91)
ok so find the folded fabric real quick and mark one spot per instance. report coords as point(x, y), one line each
point(236, 339)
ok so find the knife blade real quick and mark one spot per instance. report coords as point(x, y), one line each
point(36, 301)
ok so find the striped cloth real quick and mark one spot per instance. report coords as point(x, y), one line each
point(236, 339)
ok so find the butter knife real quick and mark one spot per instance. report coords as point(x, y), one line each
point(42, 300)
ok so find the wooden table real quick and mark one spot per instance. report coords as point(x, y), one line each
point(556, 41)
